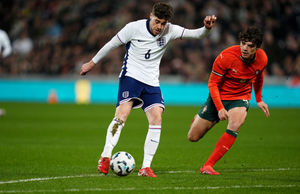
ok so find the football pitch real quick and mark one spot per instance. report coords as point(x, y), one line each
point(55, 149)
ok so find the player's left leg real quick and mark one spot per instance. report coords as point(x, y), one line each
point(152, 140)
point(153, 107)
point(237, 117)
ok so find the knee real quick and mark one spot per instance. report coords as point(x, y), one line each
point(193, 138)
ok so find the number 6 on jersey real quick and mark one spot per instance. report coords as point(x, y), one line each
point(147, 55)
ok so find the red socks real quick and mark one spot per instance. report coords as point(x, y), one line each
point(222, 146)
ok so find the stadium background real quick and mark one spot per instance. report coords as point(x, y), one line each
point(52, 39)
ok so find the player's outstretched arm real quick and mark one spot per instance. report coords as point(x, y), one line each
point(85, 68)
point(113, 43)
point(264, 107)
point(209, 22)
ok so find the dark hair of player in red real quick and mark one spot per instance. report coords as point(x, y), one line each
point(252, 34)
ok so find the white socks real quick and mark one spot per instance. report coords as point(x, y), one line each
point(112, 136)
point(151, 144)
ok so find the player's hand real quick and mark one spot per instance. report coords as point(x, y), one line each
point(223, 114)
point(86, 67)
point(264, 107)
point(209, 21)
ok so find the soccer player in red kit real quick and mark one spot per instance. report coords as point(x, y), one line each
point(234, 72)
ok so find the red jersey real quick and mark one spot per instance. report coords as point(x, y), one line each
point(232, 78)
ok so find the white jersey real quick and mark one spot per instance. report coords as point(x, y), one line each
point(145, 50)
point(5, 47)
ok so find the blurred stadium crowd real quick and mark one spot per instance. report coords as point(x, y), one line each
point(54, 37)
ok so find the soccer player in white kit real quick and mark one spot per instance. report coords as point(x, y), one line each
point(146, 41)
point(5, 46)
point(5, 51)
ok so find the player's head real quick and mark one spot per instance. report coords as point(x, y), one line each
point(250, 40)
point(160, 15)
point(162, 11)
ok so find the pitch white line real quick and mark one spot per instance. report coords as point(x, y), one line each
point(150, 189)
point(234, 170)
point(261, 170)
point(48, 178)
point(162, 172)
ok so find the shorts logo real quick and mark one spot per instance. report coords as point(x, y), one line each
point(125, 94)
point(161, 41)
point(257, 72)
point(246, 101)
point(204, 110)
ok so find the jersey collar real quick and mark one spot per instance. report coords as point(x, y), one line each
point(248, 62)
point(148, 27)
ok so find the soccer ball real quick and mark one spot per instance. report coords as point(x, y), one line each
point(122, 163)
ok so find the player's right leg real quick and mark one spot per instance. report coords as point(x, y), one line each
point(199, 128)
point(206, 118)
point(128, 98)
point(113, 133)
point(202, 123)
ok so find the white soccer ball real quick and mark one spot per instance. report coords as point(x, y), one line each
point(122, 163)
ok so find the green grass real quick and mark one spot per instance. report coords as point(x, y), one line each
point(64, 142)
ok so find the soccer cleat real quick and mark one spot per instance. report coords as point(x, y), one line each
point(208, 170)
point(148, 172)
point(103, 165)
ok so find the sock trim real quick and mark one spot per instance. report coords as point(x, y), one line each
point(232, 133)
point(154, 127)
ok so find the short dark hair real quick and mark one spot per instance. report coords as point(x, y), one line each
point(252, 34)
point(162, 10)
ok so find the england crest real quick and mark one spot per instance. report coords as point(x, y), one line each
point(125, 94)
point(161, 41)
